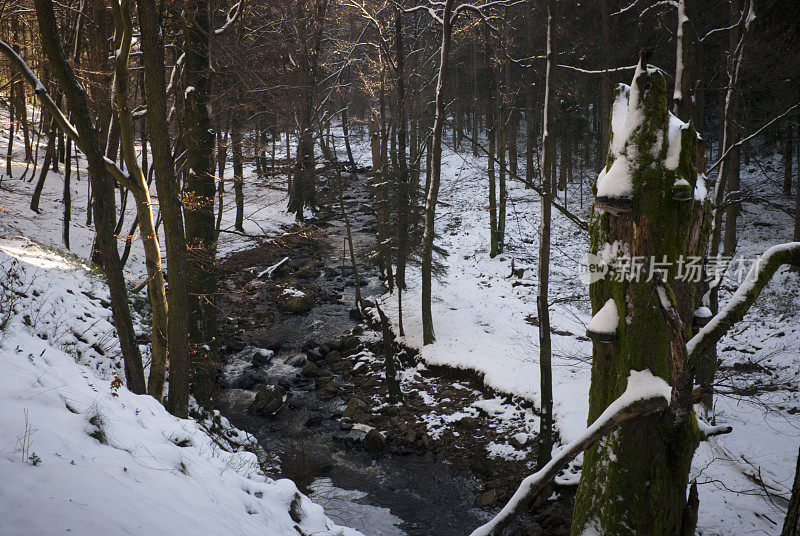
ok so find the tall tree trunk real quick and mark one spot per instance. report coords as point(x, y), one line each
point(491, 134)
point(302, 194)
point(152, 44)
point(381, 202)
point(123, 23)
point(542, 295)
point(18, 101)
point(432, 194)
point(346, 134)
point(791, 524)
point(797, 190)
point(605, 87)
point(788, 160)
point(12, 125)
point(102, 185)
point(48, 158)
point(635, 481)
point(199, 192)
point(222, 160)
point(403, 219)
point(732, 164)
point(67, 194)
point(238, 173)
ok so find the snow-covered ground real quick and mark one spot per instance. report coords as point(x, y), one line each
point(484, 321)
point(78, 452)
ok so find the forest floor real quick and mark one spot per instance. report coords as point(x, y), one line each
point(481, 376)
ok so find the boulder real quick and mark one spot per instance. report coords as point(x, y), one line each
point(309, 270)
point(262, 357)
point(518, 441)
point(295, 302)
point(354, 407)
point(269, 399)
point(333, 357)
point(326, 387)
point(486, 499)
point(374, 441)
point(341, 367)
point(310, 371)
point(467, 423)
point(351, 342)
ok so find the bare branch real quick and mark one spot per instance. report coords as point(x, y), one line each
point(644, 395)
point(747, 293)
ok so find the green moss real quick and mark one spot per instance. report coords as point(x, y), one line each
point(635, 481)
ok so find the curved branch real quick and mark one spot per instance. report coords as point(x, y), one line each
point(644, 395)
point(55, 111)
point(741, 301)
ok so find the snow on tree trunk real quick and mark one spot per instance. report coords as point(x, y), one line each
point(635, 480)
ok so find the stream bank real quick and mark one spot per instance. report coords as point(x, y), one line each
point(305, 374)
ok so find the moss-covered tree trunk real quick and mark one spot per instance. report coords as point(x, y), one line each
point(634, 482)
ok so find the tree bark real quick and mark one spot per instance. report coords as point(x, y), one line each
point(123, 23)
point(788, 160)
point(635, 482)
point(67, 194)
point(102, 185)
point(238, 173)
point(403, 202)
point(49, 154)
point(491, 134)
point(199, 190)
point(732, 165)
point(432, 194)
point(542, 295)
point(791, 524)
point(152, 44)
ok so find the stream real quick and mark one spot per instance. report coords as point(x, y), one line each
point(392, 493)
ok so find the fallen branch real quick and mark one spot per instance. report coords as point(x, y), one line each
point(644, 395)
point(269, 271)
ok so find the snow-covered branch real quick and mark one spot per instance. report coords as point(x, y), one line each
point(750, 137)
point(230, 18)
point(644, 395)
point(55, 111)
point(271, 269)
point(741, 301)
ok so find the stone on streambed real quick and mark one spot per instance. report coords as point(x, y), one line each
point(295, 301)
point(310, 371)
point(333, 357)
point(269, 399)
point(374, 441)
point(355, 406)
point(518, 441)
point(486, 499)
point(309, 270)
point(351, 342)
point(326, 386)
point(262, 356)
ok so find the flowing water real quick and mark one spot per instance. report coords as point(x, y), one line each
point(390, 494)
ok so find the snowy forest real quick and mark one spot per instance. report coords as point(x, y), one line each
point(400, 267)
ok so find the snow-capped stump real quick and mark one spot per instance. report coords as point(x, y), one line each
point(603, 326)
point(701, 317)
point(682, 190)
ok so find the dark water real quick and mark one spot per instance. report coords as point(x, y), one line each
point(386, 495)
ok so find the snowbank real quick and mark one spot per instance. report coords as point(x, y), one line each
point(80, 453)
